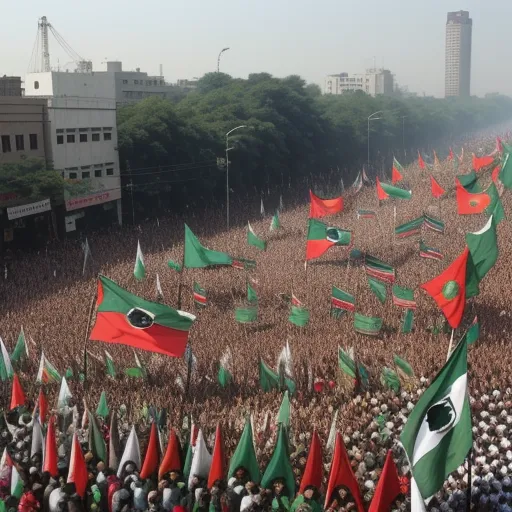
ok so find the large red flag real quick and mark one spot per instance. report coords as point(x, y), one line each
point(151, 458)
point(218, 466)
point(172, 457)
point(496, 173)
point(437, 190)
point(481, 162)
point(381, 194)
point(17, 395)
point(43, 406)
point(77, 468)
point(396, 175)
point(323, 207)
point(468, 203)
point(341, 474)
point(448, 289)
point(50, 453)
point(388, 487)
point(421, 162)
point(314, 469)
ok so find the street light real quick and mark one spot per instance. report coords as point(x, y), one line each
point(371, 118)
point(227, 169)
point(218, 58)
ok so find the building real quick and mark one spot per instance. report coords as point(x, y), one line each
point(459, 27)
point(10, 86)
point(373, 82)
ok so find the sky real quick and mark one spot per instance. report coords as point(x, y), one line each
point(282, 37)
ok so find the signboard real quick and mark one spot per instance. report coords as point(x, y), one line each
point(28, 209)
point(70, 221)
point(92, 200)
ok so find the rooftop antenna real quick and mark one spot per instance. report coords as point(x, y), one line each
point(161, 71)
point(45, 55)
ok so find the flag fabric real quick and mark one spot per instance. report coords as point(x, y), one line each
point(64, 394)
point(299, 316)
point(506, 170)
point(131, 452)
point(410, 228)
point(285, 366)
point(245, 455)
point(347, 364)
point(403, 367)
point(262, 208)
point(469, 203)
point(495, 176)
point(341, 474)
point(321, 238)
point(283, 415)
point(218, 465)
point(421, 162)
point(448, 289)
point(437, 436)
point(341, 301)
point(152, 454)
point(21, 349)
point(175, 266)
point(397, 172)
point(436, 160)
point(197, 256)
point(430, 252)
point(473, 333)
point(378, 269)
point(42, 404)
point(403, 297)
point(243, 264)
point(96, 441)
point(254, 240)
point(126, 319)
point(388, 487)
point(329, 446)
point(450, 155)
point(201, 460)
point(36, 446)
point(378, 288)
point(6, 371)
point(407, 322)
point(389, 379)
point(172, 457)
point(269, 380)
point(47, 372)
point(200, 296)
point(252, 295)
point(433, 224)
point(469, 182)
point(370, 326)
point(78, 473)
point(51, 456)
point(482, 161)
point(275, 224)
point(357, 185)
point(225, 374)
point(495, 207)
point(381, 193)
point(314, 469)
point(139, 270)
point(395, 192)
point(483, 247)
point(246, 315)
point(87, 254)
point(366, 214)
point(17, 394)
point(436, 189)
point(109, 363)
point(102, 410)
point(322, 207)
point(159, 291)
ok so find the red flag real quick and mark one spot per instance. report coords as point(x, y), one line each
point(468, 203)
point(50, 453)
point(437, 190)
point(396, 175)
point(436, 160)
point(388, 487)
point(218, 467)
point(421, 162)
point(151, 458)
point(43, 406)
point(77, 469)
point(172, 458)
point(450, 155)
point(381, 194)
point(314, 468)
point(323, 207)
point(448, 289)
point(496, 173)
point(341, 474)
point(17, 395)
point(481, 162)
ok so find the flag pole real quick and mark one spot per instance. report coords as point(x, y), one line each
point(470, 458)
point(450, 345)
point(86, 338)
point(180, 283)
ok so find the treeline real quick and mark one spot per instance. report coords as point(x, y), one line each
point(170, 151)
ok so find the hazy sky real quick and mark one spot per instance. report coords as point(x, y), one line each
point(282, 37)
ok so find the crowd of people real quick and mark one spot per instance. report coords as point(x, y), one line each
point(48, 295)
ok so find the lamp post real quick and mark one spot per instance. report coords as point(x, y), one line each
point(371, 118)
point(403, 132)
point(218, 58)
point(227, 170)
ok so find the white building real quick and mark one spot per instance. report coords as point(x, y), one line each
point(459, 29)
point(372, 82)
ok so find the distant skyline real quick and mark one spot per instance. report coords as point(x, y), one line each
point(281, 37)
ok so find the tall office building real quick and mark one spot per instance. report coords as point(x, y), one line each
point(459, 28)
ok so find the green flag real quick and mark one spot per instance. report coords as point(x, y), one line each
point(188, 461)
point(246, 315)
point(21, 349)
point(470, 182)
point(96, 442)
point(390, 379)
point(346, 363)
point(483, 246)
point(411, 228)
point(269, 380)
point(254, 240)
point(437, 436)
point(408, 321)
point(370, 326)
point(395, 192)
point(283, 417)
point(473, 333)
point(175, 266)
point(299, 316)
point(102, 409)
point(197, 256)
point(245, 456)
point(6, 371)
point(506, 169)
point(378, 288)
point(378, 269)
point(109, 362)
point(139, 271)
point(275, 224)
point(252, 296)
point(495, 208)
point(403, 366)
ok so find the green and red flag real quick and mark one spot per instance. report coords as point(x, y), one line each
point(197, 256)
point(403, 297)
point(469, 181)
point(378, 269)
point(448, 289)
point(381, 193)
point(6, 370)
point(437, 190)
point(410, 228)
point(47, 372)
point(468, 203)
point(483, 247)
point(366, 214)
point(322, 237)
point(397, 172)
point(378, 288)
point(482, 161)
point(126, 319)
point(368, 325)
point(346, 363)
point(243, 264)
point(200, 295)
point(392, 191)
point(407, 322)
point(430, 252)
point(433, 224)
point(254, 240)
point(323, 207)
point(341, 301)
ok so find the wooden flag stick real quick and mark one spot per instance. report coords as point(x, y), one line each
point(450, 345)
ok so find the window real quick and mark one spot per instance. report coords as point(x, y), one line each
point(6, 143)
point(70, 138)
point(72, 175)
point(59, 130)
point(125, 82)
point(136, 82)
point(97, 173)
point(60, 139)
point(20, 143)
point(36, 85)
point(110, 172)
point(95, 137)
point(83, 137)
point(83, 130)
point(86, 174)
point(70, 130)
point(107, 136)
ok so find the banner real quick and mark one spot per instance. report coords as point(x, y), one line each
point(28, 209)
point(92, 200)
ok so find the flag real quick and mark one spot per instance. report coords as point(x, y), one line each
point(341, 474)
point(450, 155)
point(329, 446)
point(482, 161)
point(197, 256)
point(506, 170)
point(245, 456)
point(314, 469)
point(381, 193)
point(268, 379)
point(388, 487)
point(321, 238)
point(109, 362)
point(50, 456)
point(159, 291)
point(172, 457)
point(284, 366)
point(347, 365)
point(469, 203)
point(323, 207)
point(495, 176)
point(246, 315)
point(483, 247)
point(274, 223)
point(21, 349)
point(408, 321)
point(218, 466)
point(436, 160)
point(243, 264)
point(36, 446)
point(378, 288)
point(64, 394)
point(280, 466)
point(473, 333)
point(175, 266)
point(449, 290)
point(433, 224)
point(437, 190)
point(78, 473)
point(469, 182)
point(200, 297)
point(299, 316)
point(87, 253)
point(437, 436)
point(102, 410)
point(201, 460)
point(389, 379)
point(365, 177)
point(495, 207)
point(254, 240)
point(252, 296)
point(139, 271)
point(283, 415)
point(113, 444)
point(129, 320)
point(6, 371)
point(397, 172)
point(262, 208)
point(461, 157)
point(131, 452)
point(394, 192)
point(17, 394)
point(403, 297)
point(378, 269)
point(421, 162)
point(357, 185)
point(96, 441)
point(47, 372)
point(225, 375)
point(430, 252)
point(411, 228)
point(403, 367)
point(152, 454)
point(341, 301)
point(370, 326)
point(42, 404)
point(366, 214)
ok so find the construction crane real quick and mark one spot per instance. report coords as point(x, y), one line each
point(40, 60)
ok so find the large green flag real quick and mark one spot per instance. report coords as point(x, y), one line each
point(21, 349)
point(470, 182)
point(346, 363)
point(403, 297)
point(96, 441)
point(378, 288)
point(411, 228)
point(408, 321)
point(483, 246)
point(403, 366)
point(254, 240)
point(437, 436)
point(246, 315)
point(506, 169)
point(395, 192)
point(283, 416)
point(197, 256)
point(245, 456)
point(299, 316)
point(495, 208)
point(269, 380)
point(102, 409)
point(370, 326)
point(139, 270)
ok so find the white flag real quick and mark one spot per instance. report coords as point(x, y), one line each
point(159, 291)
point(201, 460)
point(87, 253)
point(139, 270)
point(64, 394)
point(262, 208)
point(131, 452)
point(332, 433)
point(7, 361)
